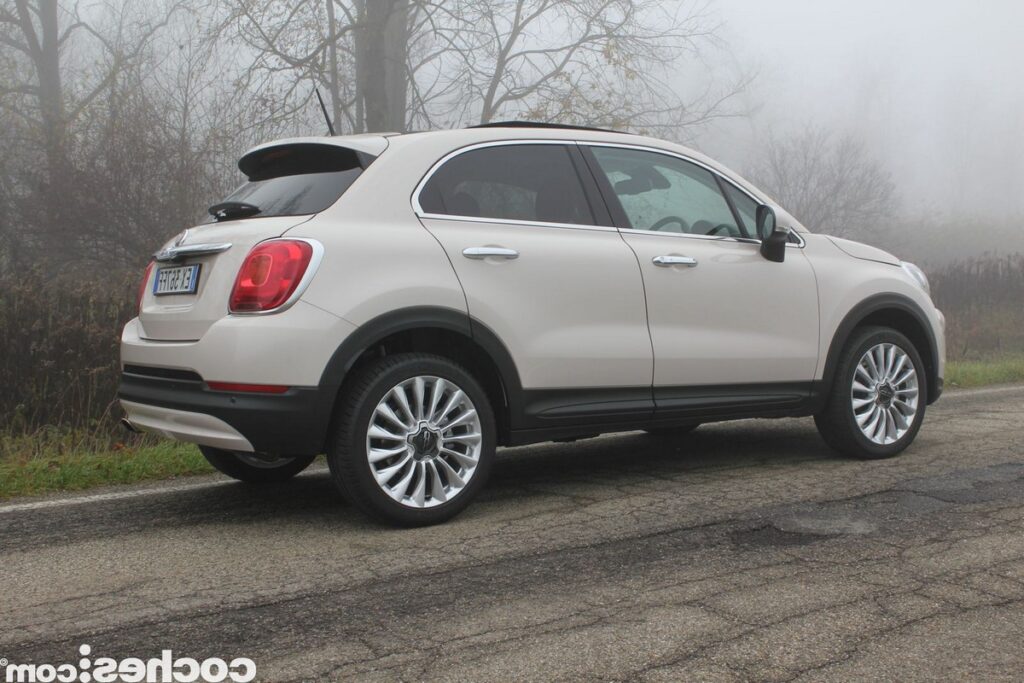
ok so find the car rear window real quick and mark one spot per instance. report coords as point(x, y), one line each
point(295, 180)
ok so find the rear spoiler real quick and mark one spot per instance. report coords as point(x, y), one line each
point(311, 153)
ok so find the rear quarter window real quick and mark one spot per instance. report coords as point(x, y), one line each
point(519, 182)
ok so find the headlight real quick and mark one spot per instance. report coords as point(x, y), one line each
point(918, 275)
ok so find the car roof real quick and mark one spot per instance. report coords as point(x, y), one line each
point(442, 142)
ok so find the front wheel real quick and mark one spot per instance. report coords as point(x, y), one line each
point(877, 400)
point(415, 439)
point(253, 468)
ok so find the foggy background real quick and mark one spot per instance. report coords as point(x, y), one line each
point(935, 89)
point(897, 123)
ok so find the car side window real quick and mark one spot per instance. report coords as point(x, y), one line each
point(509, 182)
point(745, 207)
point(665, 194)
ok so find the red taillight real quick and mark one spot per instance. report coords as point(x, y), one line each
point(269, 275)
point(248, 388)
point(142, 286)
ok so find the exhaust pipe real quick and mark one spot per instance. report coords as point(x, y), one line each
point(126, 423)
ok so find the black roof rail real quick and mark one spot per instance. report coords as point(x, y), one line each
point(541, 124)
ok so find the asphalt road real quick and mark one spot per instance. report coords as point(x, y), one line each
point(745, 551)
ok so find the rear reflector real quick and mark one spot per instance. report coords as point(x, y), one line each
point(248, 388)
point(269, 275)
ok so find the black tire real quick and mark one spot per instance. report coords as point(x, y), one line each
point(229, 463)
point(668, 432)
point(347, 457)
point(837, 424)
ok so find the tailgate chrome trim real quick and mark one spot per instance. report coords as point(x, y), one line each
point(177, 253)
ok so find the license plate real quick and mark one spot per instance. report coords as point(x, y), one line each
point(177, 280)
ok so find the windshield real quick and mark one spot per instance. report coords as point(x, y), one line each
point(293, 180)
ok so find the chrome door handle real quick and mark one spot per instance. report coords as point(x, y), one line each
point(665, 261)
point(487, 252)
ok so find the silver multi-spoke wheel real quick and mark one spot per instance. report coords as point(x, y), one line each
point(885, 393)
point(424, 441)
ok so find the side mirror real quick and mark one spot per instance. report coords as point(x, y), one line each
point(773, 238)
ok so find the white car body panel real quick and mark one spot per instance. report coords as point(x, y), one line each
point(570, 307)
point(862, 251)
point(236, 347)
point(844, 282)
point(734, 318)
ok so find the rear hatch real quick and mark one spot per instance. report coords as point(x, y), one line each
point(190, 283)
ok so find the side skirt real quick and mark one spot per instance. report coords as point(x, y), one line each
point(568, 413)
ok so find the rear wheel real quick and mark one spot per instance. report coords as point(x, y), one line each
point(877, 400)
point(415, 439)
point(256, 469)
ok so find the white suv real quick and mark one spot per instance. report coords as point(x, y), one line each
point(407, 303)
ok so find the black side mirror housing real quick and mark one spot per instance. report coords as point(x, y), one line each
point(773, 238)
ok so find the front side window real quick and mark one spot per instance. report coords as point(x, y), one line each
point(665, 194)
point(512, 182)
point(745, 207)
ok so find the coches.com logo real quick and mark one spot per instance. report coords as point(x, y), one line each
point(163, 669)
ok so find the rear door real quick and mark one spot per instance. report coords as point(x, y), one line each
point(727, 325)
point(187, 291)
point(545, 270)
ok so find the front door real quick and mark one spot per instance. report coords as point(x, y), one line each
point(724, 321)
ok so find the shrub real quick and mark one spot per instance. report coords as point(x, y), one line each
point(983, 300)
point(60, 361)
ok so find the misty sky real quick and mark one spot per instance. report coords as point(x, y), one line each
point(936, 87)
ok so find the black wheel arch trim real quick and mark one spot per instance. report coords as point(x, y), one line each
point(425, 317)
point(881, 302)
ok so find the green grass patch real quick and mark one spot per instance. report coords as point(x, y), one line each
point(27, 469)
point(977, 373)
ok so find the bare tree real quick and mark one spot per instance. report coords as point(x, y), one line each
point(830, 183)
point(399, 64)
point(40, 30)
point(85, 90)
point(381, 41)
point(356, 50)
point(596, 62)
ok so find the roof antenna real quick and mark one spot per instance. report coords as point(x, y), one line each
point(323, 108)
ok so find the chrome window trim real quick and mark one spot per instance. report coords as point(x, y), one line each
point(307, 277)
point(510, 221)
point(419, 211)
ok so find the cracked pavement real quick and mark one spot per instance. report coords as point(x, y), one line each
point(744, 551)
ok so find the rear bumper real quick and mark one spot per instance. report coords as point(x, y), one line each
point(292, 423)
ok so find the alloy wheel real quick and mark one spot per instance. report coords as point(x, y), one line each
point(885, 393)
point(424, 441)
